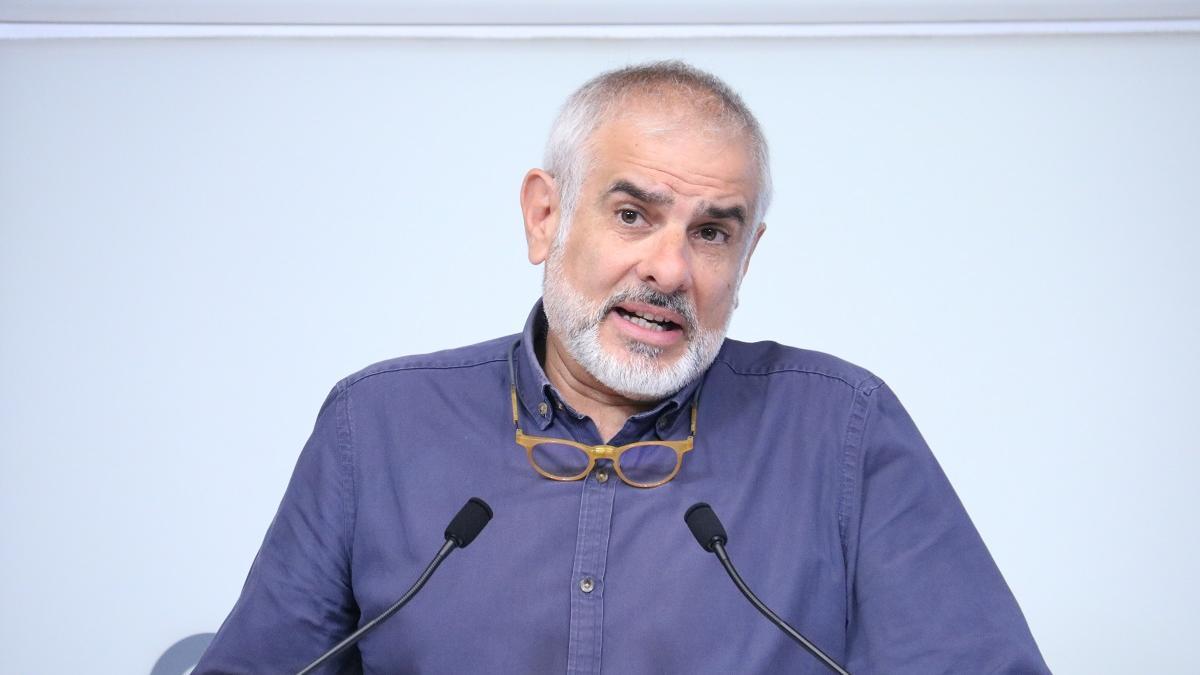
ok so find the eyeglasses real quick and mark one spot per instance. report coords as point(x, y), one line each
point(644, 464)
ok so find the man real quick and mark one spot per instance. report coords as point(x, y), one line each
point(646, 216)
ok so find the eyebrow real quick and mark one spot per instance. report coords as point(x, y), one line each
point(735, 212)
point(659, 198)
point(641, 194)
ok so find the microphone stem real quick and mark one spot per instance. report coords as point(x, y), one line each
point(368, 627)
point(719, 549)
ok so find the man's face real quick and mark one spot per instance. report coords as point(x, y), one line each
point(641, 291)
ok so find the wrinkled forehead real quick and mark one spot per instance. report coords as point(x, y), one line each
point(676, 141)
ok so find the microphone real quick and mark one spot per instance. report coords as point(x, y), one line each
point(461, 531)
point(468, 522)
point(710, 534)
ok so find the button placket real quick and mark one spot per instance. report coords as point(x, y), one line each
point(586, 641)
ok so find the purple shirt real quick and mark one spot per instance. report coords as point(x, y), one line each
point(838, 517)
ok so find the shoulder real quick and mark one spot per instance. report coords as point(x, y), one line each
point(448, 361)
point(773, 360)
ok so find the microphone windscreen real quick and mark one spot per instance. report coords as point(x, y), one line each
point(705, 526)
point(468, 522)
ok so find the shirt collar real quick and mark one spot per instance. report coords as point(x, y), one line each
point(541, 400)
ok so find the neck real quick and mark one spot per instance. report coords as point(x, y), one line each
point(606, 408)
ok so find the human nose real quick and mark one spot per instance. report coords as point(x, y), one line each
point(667, 264)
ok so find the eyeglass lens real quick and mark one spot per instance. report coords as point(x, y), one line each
point(556, 459)
point(648, 463)
point(641, 464)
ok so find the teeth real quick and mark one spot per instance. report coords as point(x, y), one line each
point(647, 320)
point(652, 317)
point(639, 321)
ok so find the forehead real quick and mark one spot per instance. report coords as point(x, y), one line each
point(687, 152)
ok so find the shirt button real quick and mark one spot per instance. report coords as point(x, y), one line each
point(587, 585)
point(543, 408)
point(601, 476)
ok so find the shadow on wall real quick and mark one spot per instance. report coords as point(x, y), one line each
point(182, 656)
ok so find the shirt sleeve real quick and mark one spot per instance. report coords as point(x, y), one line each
point(297, 600)
point(924, 594)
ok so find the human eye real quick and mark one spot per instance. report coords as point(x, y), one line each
point(712, 234)
point(629, 216)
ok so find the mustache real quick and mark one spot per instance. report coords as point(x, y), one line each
point(675, 302)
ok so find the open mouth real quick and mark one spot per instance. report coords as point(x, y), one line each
point(647, 320)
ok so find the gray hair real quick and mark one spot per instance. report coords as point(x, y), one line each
point(567, 155)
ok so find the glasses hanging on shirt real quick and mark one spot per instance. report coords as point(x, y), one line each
point(644, 464)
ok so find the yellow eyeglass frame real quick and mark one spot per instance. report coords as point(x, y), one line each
point(596, 452)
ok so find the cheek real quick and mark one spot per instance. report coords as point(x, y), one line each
point(720, 277)
point(592, 270)
point(715, 296)
point(602, 266)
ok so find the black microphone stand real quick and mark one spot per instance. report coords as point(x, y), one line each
point(719, 549)
point(357, 635)
point(461, 531)
point(710, 534)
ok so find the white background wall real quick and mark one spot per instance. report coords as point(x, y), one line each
point(199, 237)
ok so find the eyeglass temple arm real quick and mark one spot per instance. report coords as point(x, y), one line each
point(512, 383)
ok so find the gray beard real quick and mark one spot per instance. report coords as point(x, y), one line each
point(639, 373)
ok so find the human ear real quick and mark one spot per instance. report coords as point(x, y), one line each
point(762, 227)
point(540, 208)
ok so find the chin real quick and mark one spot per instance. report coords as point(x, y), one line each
point(642, 372)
